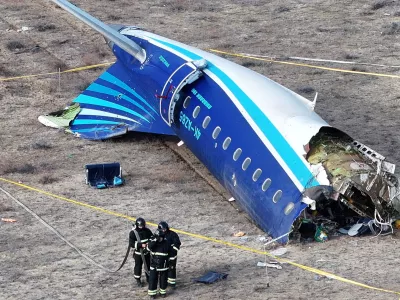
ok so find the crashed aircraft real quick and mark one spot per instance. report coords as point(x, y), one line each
point(281, 162)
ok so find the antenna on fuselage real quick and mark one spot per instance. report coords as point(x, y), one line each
point(111, 34)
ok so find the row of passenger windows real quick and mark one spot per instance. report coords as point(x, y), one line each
point(238, 152)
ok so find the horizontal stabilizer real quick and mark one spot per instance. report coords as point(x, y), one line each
point(110, 106)
point(108, 32)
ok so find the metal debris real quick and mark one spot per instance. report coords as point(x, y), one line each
point(357, 184)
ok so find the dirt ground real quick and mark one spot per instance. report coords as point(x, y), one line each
point(160, 184)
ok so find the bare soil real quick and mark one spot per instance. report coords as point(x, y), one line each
point(160, 184)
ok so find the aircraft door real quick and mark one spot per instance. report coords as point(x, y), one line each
point(185, 74)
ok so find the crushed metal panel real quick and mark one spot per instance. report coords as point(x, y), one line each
point(359, 178)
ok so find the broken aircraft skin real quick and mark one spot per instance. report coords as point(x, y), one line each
point(263, 142)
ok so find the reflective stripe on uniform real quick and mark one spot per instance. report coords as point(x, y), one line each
point(159, 253)
point(175, 248)
point(173, 258)
point(136, 276)
point(171, 280)
point(157, 269)
point(138, 253)
point(163, 292)
point(152, 292)
point(135, 244)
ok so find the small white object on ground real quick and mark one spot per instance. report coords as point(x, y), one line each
point(263, 264)
point(279, 251)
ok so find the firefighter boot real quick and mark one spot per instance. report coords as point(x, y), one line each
point(139, 283)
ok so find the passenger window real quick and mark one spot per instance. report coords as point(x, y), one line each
point(186, 102)
point(216, 132)
point(206, 122)
point(266, 184)
point(196, 112)
point(237, 154)
point(277, 196)
point(257, 174)
point(226, 143)
point(246, 163)
point(289, 208)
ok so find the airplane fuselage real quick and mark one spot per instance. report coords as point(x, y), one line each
point(242, 126)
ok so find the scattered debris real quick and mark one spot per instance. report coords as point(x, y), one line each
point(244, 238)
point(320, 235)
point(358, 193)
point(8, 220)
point(279, 252)
point(24, 28)
point(239, 234)
point(231, 199)
point(62, 118)
point(269, 265)
point(33, 50)
point(397, 224)
point(211, 277)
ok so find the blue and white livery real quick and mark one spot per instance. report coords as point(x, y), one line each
point(259, 139)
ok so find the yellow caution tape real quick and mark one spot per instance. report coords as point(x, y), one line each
point(62, 72)
point(248, 56)
point(302, 65)
point(214, 240)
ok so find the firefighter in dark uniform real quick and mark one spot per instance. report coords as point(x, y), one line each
point(160, 251)
point(138, 239)
point(173, 238)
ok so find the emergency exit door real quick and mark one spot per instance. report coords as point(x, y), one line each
point(185, 74)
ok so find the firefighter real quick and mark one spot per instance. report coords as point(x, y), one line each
point(173, 238)
point(160, 251)
point(138, 239)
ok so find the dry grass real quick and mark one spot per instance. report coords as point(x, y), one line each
point(43, 145)
point(11, 166)
point(46, 27)
point(4, 207)
point(392, 29)
point(380, 4)
point(47, 179)
point(15, 45)
point(6, 72)
point(306, 90)
point(18, 89)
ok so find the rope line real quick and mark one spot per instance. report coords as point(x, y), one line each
point(241, 55)
point(54, 73)
point(211, 239)
point(303, 65)
point(56, 232)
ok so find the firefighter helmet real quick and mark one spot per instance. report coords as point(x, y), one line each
point(159, 233)
point(163, 226)
point(140, 223)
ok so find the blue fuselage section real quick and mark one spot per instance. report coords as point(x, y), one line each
point(210, 124)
